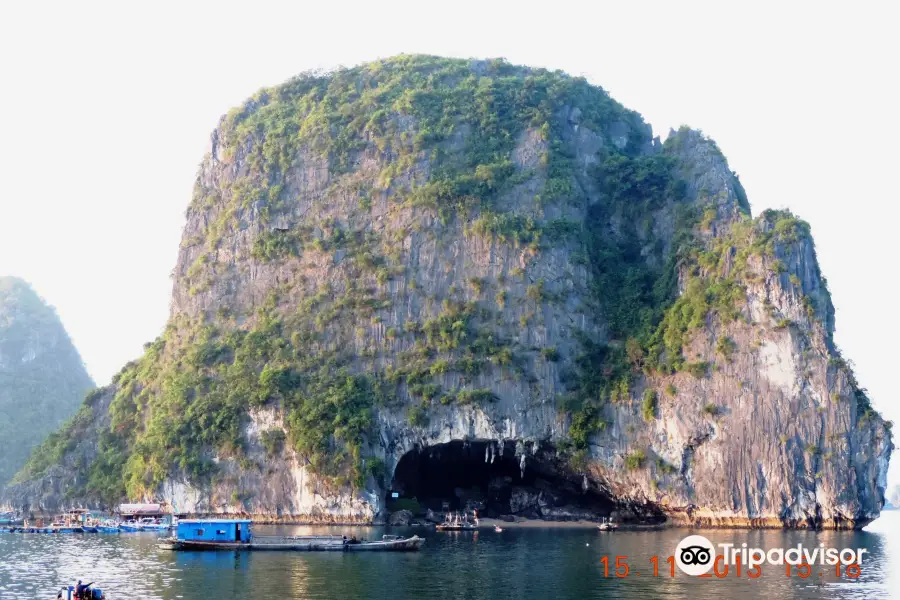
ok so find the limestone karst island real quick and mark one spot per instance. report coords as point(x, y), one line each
point(424, 286)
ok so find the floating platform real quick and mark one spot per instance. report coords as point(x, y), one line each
point(47, 530)
point(301, 544)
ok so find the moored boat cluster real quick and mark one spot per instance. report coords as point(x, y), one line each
point(84, 521)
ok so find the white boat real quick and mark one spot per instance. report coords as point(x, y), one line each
point(149, 524)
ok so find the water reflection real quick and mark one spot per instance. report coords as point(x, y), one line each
point(518, 563)
point(37, 565)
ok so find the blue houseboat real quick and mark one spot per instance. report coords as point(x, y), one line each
point(214, 531)
point(227, 534)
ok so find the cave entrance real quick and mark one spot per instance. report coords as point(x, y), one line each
point(494, 479)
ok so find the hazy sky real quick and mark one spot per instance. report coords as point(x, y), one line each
point(107, 110)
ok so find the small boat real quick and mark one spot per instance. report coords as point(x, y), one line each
point(455, 527)
point(148, 524)
point(498, 529)
point(457, 523)
point(131, 527)
point(107, 526)
point(87, 593)
point(107, 529)
point(607, 526)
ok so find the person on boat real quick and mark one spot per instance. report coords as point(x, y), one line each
point(82, 592)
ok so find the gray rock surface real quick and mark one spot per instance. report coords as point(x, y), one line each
point(400, 518)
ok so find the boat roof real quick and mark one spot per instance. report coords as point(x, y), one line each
point(210, 521)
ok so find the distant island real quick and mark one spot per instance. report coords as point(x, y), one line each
point(42, 378)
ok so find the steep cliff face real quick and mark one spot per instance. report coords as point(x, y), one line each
point(42, 378)
point(419, 263)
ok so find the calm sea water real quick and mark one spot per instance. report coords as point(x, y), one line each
point(518, 563)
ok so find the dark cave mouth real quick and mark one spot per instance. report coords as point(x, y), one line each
point(496, 480)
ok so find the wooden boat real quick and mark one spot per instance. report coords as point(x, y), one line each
point(312, 543)
point(455, 527)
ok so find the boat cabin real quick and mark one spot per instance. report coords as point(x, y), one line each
point(213, 530)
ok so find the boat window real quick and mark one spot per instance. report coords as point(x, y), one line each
point(220, 532)
point(199, 532)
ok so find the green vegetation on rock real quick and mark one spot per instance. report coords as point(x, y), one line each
point(648, 408)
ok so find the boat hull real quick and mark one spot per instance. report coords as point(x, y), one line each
point(313, 545)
